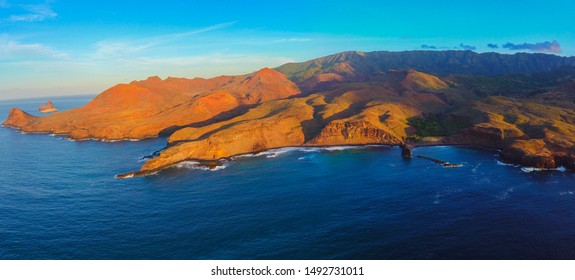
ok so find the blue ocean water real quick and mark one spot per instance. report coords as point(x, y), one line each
point(59, 200)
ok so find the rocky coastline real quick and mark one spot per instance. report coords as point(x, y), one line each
point(343, 99)
point(508, 156)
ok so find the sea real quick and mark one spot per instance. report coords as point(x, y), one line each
point(59, 199)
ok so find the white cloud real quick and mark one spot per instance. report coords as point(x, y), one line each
point(173, 36)
point(116, 48)
point(110, 48)
point(215, 59)
point(34, 13)
point(11, 49)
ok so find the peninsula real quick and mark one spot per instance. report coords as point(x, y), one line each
point(522, 104)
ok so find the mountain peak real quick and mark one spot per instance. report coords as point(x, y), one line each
point(423, 81)
point(268, 74)
point(17, 118)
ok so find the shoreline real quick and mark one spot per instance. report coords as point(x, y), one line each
point(211, 164)
point(66, 136)
point(420, 145)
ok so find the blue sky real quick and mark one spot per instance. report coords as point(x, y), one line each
point(65, 47)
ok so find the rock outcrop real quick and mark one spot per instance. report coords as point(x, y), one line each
point(406, 150)
point(47, 108)
point(531, 153)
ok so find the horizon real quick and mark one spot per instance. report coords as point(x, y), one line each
point(69, 48)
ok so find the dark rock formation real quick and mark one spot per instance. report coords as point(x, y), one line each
point(440, 162)
point(406, 150)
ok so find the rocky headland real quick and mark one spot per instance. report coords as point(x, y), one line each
point(521, 104)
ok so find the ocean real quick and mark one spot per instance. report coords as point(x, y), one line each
point(59, 199)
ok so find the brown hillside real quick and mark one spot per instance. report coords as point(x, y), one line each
point(144, 109)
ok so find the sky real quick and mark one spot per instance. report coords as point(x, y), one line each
point(69, 47)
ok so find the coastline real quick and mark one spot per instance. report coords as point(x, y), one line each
point(212, 164)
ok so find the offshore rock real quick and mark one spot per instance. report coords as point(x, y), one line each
point(47, 108)
point(406, 150)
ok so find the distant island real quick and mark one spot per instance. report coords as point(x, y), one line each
point(521, 104)
point(47, 108)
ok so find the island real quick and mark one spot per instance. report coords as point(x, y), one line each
point(521, 104)
point(47, 108)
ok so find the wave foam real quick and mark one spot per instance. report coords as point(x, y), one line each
point(242, 156)
point(535, 169)
point(306, 158)
point(271, 153)
point(116, 140)
point(342, 148)
point(505, 194)
point(506, 164)
point(275, 152)
point(532, 169)
point(198, 165)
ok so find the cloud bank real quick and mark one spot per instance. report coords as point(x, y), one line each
point(428, 47)
point(547, 47)
point(467, 47)
point(492, 46)
point(434, 47)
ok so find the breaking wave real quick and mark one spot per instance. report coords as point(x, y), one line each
point(272, 153)
point(117, 140)
point(506, 164)
point(535, 169)
point(198, 165)
point(532, 169)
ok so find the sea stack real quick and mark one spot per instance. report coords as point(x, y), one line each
point(406, 150)
point(47, 108)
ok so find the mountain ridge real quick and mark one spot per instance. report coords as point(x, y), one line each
point(432, 62)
